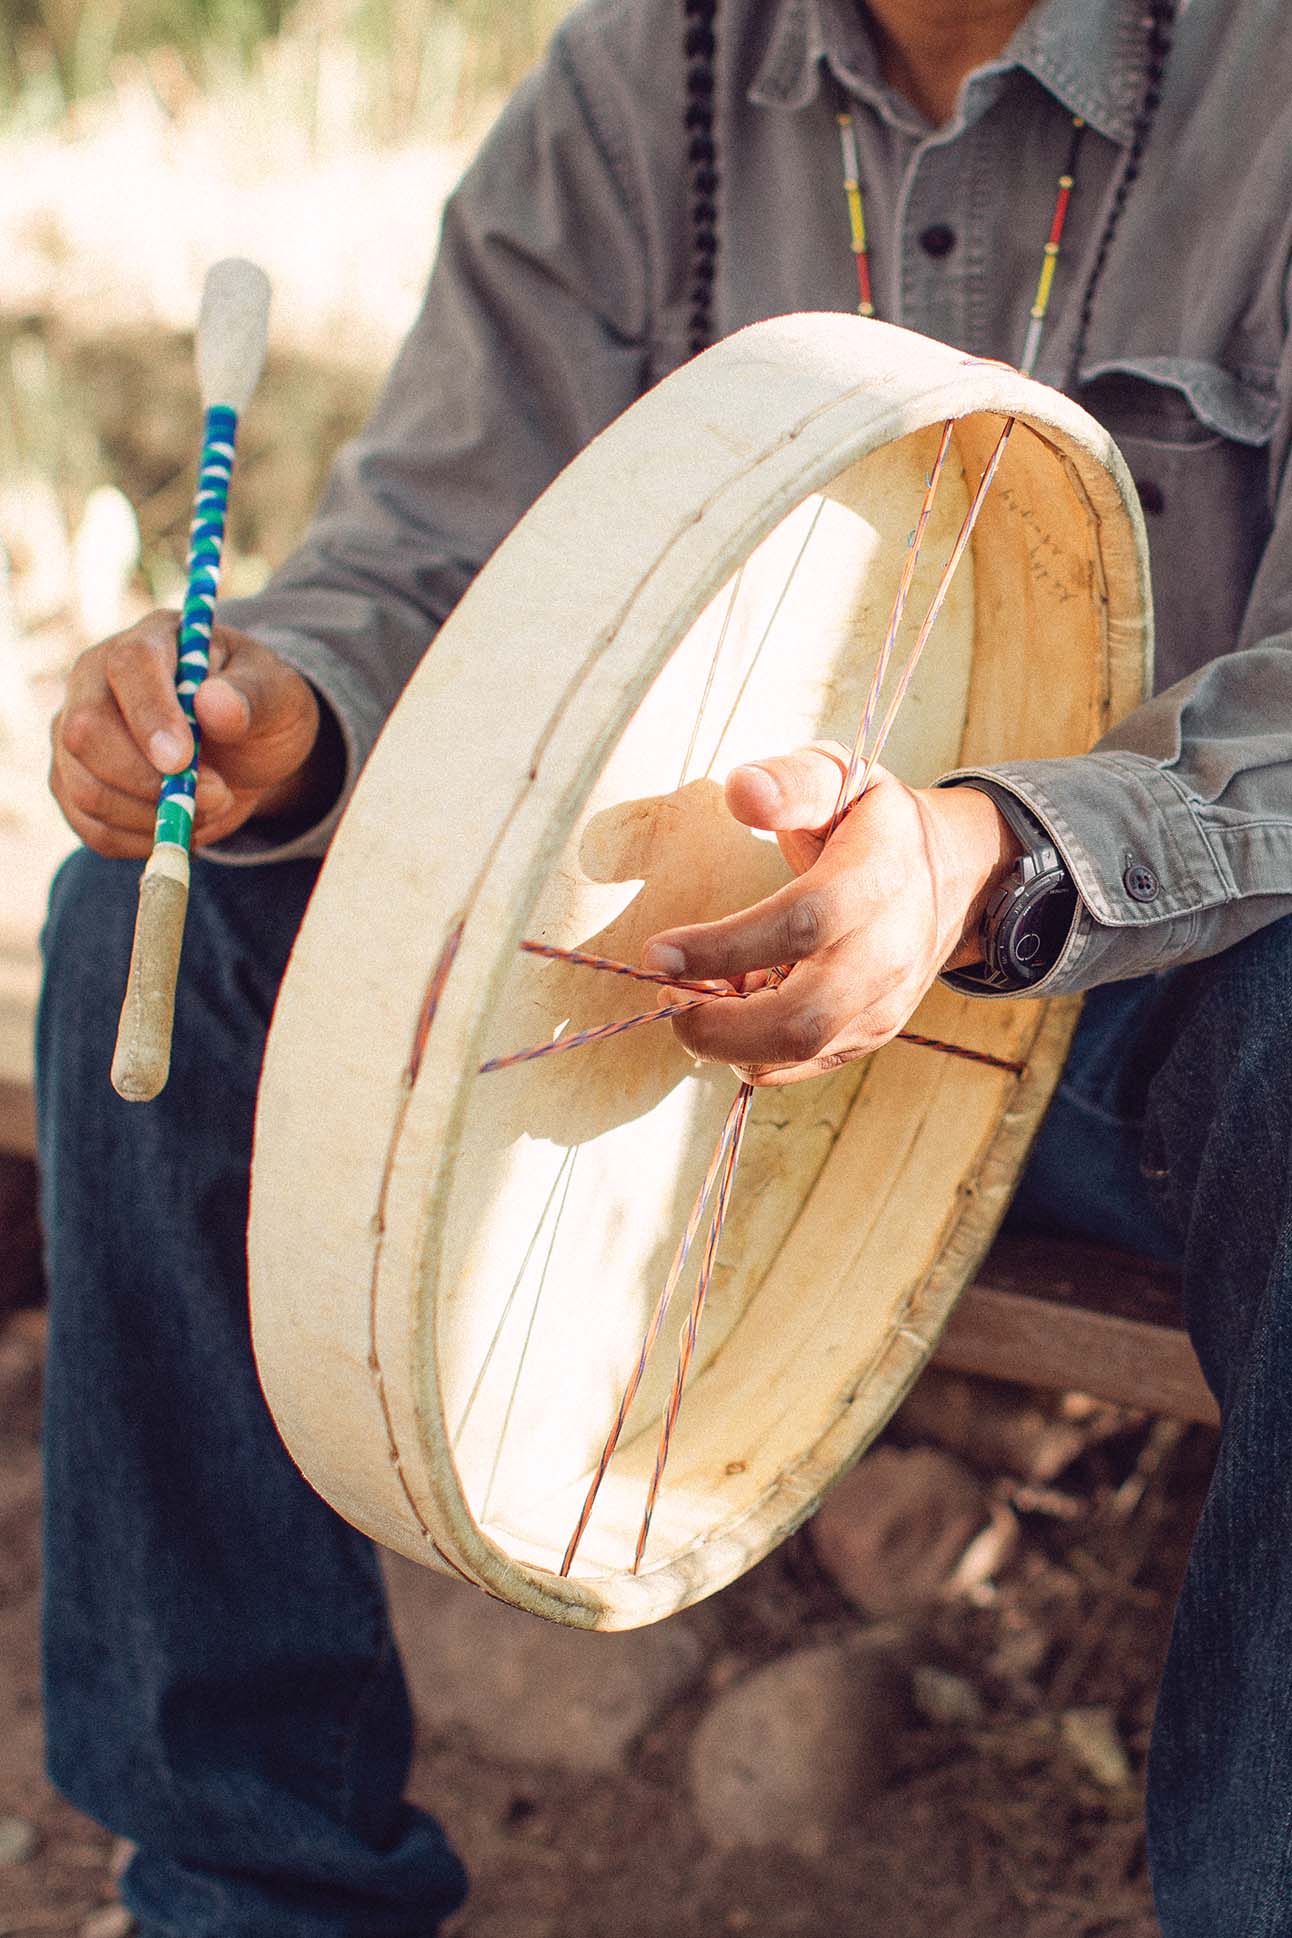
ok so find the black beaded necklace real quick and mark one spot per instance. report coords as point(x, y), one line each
point(700, 46)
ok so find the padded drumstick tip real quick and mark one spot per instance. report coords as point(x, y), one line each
point(232, 331)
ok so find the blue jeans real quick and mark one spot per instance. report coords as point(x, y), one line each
point(221, 1684)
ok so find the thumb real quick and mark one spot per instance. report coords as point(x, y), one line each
point(789, 791)
point(246, 693)
point(224, 710)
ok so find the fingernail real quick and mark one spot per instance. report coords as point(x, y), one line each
point(665, 959)
point(167, 751)
point(770, 787)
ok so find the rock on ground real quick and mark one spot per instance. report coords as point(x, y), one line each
point(1000, 1428)
point(793, 1753)
point(890, 1534)
point(18, 1840)
point(114, 1921)
point(529, 1690)
point(950, 1701)
point(1091, 1735)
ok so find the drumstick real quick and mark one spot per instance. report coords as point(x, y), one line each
point(232, 327)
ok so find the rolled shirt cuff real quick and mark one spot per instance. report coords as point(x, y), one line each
point(1143, 866)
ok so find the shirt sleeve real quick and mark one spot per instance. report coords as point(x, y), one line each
point(531, 339)
point(1177, 828)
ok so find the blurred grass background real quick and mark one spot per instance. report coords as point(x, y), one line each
point(419, 67)
point(139, 141)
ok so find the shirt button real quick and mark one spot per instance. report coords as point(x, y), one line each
point(1151, 496)
point(1140, 883)
point(937, 240)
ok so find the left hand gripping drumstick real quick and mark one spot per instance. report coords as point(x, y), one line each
point(231, 333)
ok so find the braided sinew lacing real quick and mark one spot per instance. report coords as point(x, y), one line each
point(1159, 26)
point(702, 165)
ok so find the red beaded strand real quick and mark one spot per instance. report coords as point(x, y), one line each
point(1049, 255)
point(856, 211)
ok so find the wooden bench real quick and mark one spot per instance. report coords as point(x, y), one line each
point(1075, 1316)
point(1043, 1312)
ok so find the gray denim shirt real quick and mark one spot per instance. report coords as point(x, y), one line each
point(559, 294)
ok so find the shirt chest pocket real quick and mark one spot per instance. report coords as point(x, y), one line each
point(1195, 437)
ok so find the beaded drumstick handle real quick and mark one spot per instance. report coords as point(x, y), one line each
point(231, 333)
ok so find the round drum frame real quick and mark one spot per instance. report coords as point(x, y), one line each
point(440, 1361)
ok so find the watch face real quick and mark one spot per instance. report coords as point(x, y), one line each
point(1036, 927)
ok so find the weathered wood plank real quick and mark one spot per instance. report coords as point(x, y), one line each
point(1084, 1317)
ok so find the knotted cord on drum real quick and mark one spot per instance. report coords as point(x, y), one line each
point(431, 1000)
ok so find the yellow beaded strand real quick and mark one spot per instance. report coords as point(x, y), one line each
point(1049, 256)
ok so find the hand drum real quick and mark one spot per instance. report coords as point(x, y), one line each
point(452, 1273)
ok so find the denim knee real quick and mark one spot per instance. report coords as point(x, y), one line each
point(239, 930)
point(1219, 1139)
point(91, 917)
point(1230, 1059)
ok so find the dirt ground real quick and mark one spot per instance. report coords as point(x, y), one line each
point(992, 1820)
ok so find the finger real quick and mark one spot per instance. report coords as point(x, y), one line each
point(248, 691)
point(139, 667)
point(96, 737)
point(789, 791)
point(260, 719)
point(799, 848)
point(776, 1076)
point(799, 920)
point(209, 828)
point(116, 844)
point(224, 710)
point(803, 1020)
point(84, 794)
point(79, 788)
point(860, 1039)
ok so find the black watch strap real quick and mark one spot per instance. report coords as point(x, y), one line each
point(1027, 920)
point(1017, 814)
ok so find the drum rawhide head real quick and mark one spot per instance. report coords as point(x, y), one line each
point(453, 1273)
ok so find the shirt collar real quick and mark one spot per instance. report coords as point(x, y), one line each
point(1090, 54)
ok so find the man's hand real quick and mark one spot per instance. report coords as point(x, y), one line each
point(121, 728)
point(893, 897)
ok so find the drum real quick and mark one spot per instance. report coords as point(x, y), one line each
point(452, 1273)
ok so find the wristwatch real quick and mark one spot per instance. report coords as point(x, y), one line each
point(1027, 920)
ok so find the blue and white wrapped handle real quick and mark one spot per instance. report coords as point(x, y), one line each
point(231, 337)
